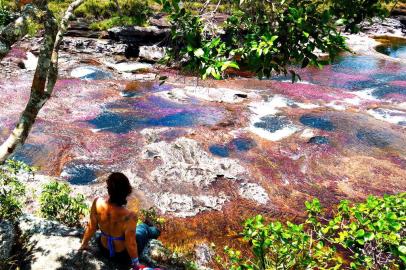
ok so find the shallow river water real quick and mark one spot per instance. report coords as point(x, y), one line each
point(206, 165)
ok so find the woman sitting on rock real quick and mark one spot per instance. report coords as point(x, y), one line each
point(118, 225)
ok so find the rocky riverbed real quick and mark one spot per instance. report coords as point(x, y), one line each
point(208, 154)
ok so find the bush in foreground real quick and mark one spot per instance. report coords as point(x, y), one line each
point(57, 203)
point(367, 235)
point(12, 190)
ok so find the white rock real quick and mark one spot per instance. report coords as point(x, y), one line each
point(130, 67)
point(254, 192)
point(225, 95)
point(185, 162)
point(270, 108)
point(152, 53)
point(182, 205)
point(389, 115)
point(31, 62)
point(90, 73)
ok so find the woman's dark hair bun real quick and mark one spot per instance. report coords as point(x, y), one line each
point(118, 187)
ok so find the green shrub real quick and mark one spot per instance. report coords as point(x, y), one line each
point(134, 12)
point(115, 21)
point(56, 203)
point(353, 12)
point(151, 216)
point(5, 14)
point(266, 37)
point(12, 190)
point(368, 235)
point(99, 9)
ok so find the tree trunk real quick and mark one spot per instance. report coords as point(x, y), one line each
point(38, 95)
point(44, 80)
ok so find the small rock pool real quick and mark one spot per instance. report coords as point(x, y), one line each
point(394, 49)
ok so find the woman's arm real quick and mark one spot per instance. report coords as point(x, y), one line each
point(91, 226)
point(130, 236)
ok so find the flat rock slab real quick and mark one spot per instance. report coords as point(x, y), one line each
point(55, 246)
point(130, 67)
point(137, 35)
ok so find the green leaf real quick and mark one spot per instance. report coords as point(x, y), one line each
point(360, 233)
point(369, 236)
point(199, 52)
point(402, 249)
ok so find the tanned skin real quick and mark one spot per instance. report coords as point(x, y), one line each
point(115, 221)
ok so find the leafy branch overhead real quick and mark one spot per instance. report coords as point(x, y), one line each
point(265, 37)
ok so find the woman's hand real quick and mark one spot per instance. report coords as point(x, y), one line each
point(84, 247)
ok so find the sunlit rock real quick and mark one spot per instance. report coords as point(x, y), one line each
point(90, 73)
point(204, 255)
point(388, 115)
point(182, 205)
point(55, 246)
point(152, 53)
point(185, 161)
point(267, 120)
point(130, 67)
point(255, 192)
point(209, 94)
point(31, 62)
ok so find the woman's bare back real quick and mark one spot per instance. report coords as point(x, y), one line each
point(113, 221)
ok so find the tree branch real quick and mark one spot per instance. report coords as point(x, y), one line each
point(44, 80)
point(63, 26)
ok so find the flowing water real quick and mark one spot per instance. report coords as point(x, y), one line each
point(340, 133)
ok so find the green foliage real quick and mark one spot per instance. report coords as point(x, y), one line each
point(370, 235)
point(352, 12)
point(266, 37)
point(116, 21)
point(56, 203)
point(12, 191)
point(207, 55)
point(58, 8)
point(5, 14)
point(134, 12)
point(374, 232)
point(151, 217)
